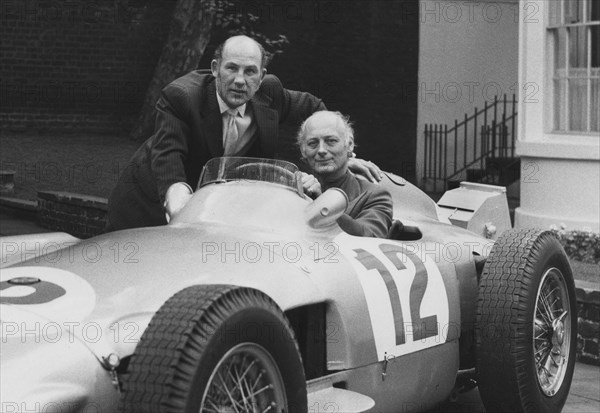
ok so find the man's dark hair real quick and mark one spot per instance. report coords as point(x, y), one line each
point(264, 56)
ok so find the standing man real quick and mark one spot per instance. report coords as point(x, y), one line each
point(236, 111)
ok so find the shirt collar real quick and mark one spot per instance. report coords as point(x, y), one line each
point(224, 108)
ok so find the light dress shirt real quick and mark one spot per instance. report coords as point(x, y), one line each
point(246, 128)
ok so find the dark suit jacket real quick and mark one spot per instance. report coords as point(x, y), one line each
point(369, 212)
point(189, 132)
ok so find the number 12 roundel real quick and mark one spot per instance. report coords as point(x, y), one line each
point(405, 294)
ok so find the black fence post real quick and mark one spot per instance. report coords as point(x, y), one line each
point(513, 119)
point(493, 139)
point(440, 159)
point(455, 146)
point(465, 141)
point(483, 145)
point(445, 183)
point(425, 174)
point(475, 135)
point(435, 143)
point(504, 136)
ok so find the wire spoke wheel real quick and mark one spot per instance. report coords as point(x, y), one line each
point(246, 379)
point(216, 349)
point(552, 333)
point(526, 325)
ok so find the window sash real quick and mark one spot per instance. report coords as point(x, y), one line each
point(575, 81)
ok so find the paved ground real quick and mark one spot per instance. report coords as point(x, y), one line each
point(585, 391)
point(583, 398)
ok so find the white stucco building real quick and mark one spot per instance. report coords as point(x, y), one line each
point(547, 52)
point(468, 56)
point(559, 114)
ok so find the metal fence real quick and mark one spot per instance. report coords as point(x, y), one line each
point(451, 151)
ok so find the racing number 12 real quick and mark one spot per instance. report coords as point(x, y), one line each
point(422, 327)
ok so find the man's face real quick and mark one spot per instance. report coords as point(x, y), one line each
point(325, 147)
point(239, 72)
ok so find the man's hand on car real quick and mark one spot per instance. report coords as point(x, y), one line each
point(310, 185)
point(176, 197)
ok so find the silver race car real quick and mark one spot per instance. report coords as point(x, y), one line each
point(253, 299)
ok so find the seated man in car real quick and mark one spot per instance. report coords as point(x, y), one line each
point(326, 141)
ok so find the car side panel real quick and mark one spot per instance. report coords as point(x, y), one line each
point(395, 306)
point(411, 383)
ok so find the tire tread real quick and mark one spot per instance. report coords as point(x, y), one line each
point(503, 318)
point(164, 362)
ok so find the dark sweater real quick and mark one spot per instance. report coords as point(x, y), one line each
point(369, 212)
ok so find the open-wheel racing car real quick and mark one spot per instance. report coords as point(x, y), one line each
point(253, 299)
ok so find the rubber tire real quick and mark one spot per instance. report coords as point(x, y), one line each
point(188, 336)
point(504, 329)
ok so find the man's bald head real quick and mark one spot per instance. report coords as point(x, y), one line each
point(326, 142)
point(238, 69)
point(244, 43)
point(327, 119)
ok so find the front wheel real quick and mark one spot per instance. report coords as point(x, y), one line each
point(247, 379)
point(526, 324)
point(216, 349)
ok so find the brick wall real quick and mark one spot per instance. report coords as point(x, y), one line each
point(588, 303)
point(77, 63)
point(79, 215)
point(43, 121)
point(85, 65)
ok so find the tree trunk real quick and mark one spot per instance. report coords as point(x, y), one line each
point(189, 34)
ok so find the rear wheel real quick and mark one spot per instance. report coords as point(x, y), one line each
point(216, 349)
point(526, 324)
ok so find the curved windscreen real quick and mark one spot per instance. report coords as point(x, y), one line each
point(219, 170)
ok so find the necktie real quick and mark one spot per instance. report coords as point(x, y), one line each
point(231, 134)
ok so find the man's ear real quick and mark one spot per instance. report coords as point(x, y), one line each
point(263, 74)
point(302, 152)
point(214, 67)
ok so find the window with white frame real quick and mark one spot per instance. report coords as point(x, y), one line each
point(574, 30)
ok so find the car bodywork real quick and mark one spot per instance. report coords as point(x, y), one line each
point(393, 319)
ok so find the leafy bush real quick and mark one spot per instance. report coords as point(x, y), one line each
point(582, 246)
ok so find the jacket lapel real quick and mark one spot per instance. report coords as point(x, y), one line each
point(351, 186)
point(212, 127)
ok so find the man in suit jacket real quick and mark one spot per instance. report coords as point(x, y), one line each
point(236, 111)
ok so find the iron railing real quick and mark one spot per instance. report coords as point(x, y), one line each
point(451, 151)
